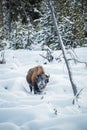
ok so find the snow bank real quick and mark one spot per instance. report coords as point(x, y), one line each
point(51, 110)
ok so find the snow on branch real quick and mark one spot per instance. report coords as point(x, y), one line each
point(65, 18)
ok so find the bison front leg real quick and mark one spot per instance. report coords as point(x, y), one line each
point(36, 89)
point(30, 87)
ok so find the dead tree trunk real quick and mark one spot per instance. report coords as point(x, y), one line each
point(62, 47)
point(0, 13)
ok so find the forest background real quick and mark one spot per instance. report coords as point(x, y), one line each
point(26, 23)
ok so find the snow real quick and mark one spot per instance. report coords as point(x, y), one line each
point(51, 110)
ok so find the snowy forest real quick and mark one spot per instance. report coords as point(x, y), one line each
point(43, 64)
point(25, 23)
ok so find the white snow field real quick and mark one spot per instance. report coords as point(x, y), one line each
point(52, 109)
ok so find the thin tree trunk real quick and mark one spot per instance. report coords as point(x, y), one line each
point(28, 40)
point(9, 16)
point(62, 47)
point(0, 13)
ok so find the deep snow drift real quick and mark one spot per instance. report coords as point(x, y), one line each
point(51, 110)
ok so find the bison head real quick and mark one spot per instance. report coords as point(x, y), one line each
point(42, 81)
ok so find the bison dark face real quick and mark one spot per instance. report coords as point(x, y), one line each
point(42, 81)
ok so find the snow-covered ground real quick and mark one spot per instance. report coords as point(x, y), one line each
point(51, 110)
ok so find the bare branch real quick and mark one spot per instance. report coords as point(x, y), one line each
point(75, 58)
point(48, 56)
point(2, 61)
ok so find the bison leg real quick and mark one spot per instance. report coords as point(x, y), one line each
point(36, 89)
point(30, 87)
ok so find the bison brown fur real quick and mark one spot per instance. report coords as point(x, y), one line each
point(37, 79)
